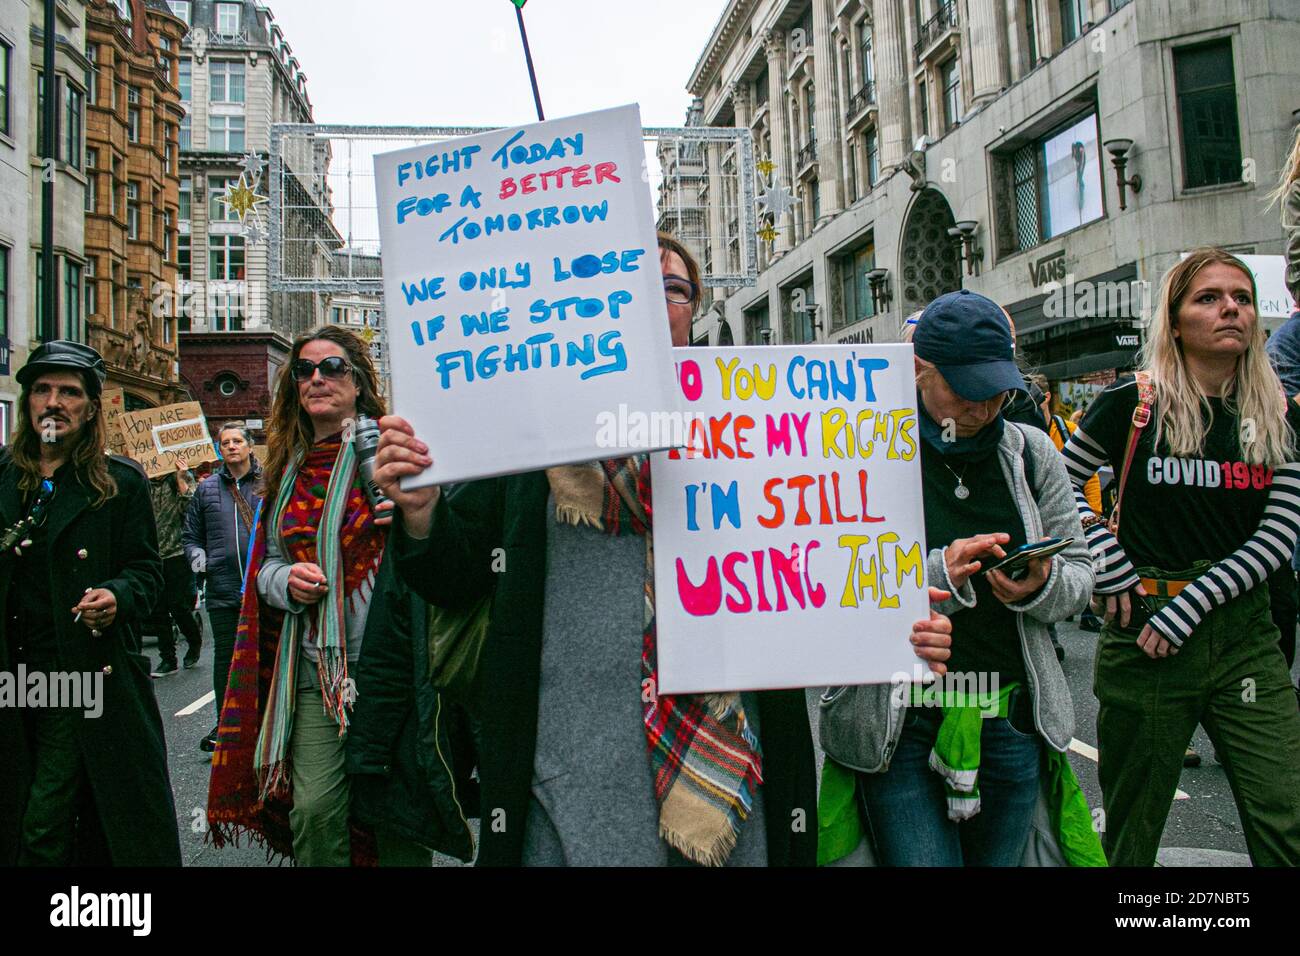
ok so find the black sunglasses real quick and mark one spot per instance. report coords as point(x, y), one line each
point(334, 366)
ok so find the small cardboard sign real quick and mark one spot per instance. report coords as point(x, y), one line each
point(113, 401)
point(155, 437)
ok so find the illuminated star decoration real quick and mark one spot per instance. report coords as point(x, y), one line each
point(252, 165)
point(253, 231)
point(777, 200)
point(765, 166)
point(367, 335)
point(240, 197)
point(767, 233)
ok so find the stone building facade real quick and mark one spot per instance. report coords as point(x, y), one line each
point(938, 144)
point(133, 175)
point(25, 318)
point(238, 75)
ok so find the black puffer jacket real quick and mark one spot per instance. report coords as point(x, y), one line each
point(409, 751)
point(212, 527)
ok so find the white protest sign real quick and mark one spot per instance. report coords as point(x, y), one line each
point(789, 538)
point(1270, 282)
point(1269, 271)
point(523, 293)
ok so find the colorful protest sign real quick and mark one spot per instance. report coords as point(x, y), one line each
point(522, 292)
point(113, 401)
point(155, 437)
point(789, 539)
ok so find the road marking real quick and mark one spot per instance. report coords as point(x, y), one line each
point(202, 702)
point(1089, 751)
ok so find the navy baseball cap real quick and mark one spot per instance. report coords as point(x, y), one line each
point(968, 337)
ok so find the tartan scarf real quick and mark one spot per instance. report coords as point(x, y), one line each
point(250, 787)
point(705, 758)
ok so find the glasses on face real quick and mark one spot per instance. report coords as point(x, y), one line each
point(334, 366)
point(679, 291)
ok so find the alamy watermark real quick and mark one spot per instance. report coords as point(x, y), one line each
point(71, 690)
point(1089, 299)
point(979, 689)
point(631, 428)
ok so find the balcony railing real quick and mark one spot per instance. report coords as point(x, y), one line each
point(238, 38)
point(935, 27)
point(862, 99)
point(807, 155)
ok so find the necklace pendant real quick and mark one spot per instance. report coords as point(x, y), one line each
point(962, 492)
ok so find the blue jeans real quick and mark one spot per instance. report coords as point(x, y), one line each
point(906, 811)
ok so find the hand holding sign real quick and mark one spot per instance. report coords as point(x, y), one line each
point(932, 637)
point(400, 454)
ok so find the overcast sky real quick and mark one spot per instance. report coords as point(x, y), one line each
point(460, 62)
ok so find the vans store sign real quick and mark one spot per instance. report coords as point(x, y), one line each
point(1048, 269)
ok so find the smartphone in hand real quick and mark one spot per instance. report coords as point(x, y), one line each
point(1016, 564)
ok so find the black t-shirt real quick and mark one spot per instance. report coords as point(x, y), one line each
point(1178, 511)
point(985, 637)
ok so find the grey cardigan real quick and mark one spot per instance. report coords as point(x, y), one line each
point(860, 725)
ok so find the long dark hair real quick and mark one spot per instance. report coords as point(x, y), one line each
point(89, 457)
point(291, 428)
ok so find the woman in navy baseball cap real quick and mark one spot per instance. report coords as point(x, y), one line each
point(964, 779)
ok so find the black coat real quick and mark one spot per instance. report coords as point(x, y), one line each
point(453, 567)
point(123, 751)
point(407, 747)
point(210, 526)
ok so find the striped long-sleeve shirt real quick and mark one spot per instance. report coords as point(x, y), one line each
point(1177, 511)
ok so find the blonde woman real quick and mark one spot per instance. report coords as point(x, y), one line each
point(1209, 508)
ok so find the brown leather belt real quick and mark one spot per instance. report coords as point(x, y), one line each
point(1162, 588)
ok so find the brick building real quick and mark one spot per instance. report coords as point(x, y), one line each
point(133, 119)
point(238, 76)
point(233, 374)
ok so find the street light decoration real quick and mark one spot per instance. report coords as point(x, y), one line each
point(777, 200)
point(240, 197)
point(252, 164)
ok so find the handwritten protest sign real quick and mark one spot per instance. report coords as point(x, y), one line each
point(113, 401)
point(522, 292)
point(155, 436)
point(788, 534)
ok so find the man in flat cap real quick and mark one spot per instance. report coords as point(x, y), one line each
point(85, 777)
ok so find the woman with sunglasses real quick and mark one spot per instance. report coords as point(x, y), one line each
point(580, 762)
point(316, 591)
point(1203, 448)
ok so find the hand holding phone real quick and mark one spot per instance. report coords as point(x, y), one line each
point(1016, 564)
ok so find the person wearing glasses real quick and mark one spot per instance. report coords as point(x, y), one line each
point(580, 762)
point(84, 781)
point(317, 592)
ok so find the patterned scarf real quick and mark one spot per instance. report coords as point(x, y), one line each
point(251, 771)
point(704, 755)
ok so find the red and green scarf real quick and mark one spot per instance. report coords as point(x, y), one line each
point(704, 756)
point(250, 787)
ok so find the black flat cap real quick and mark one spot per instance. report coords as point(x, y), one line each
point(62, 355)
